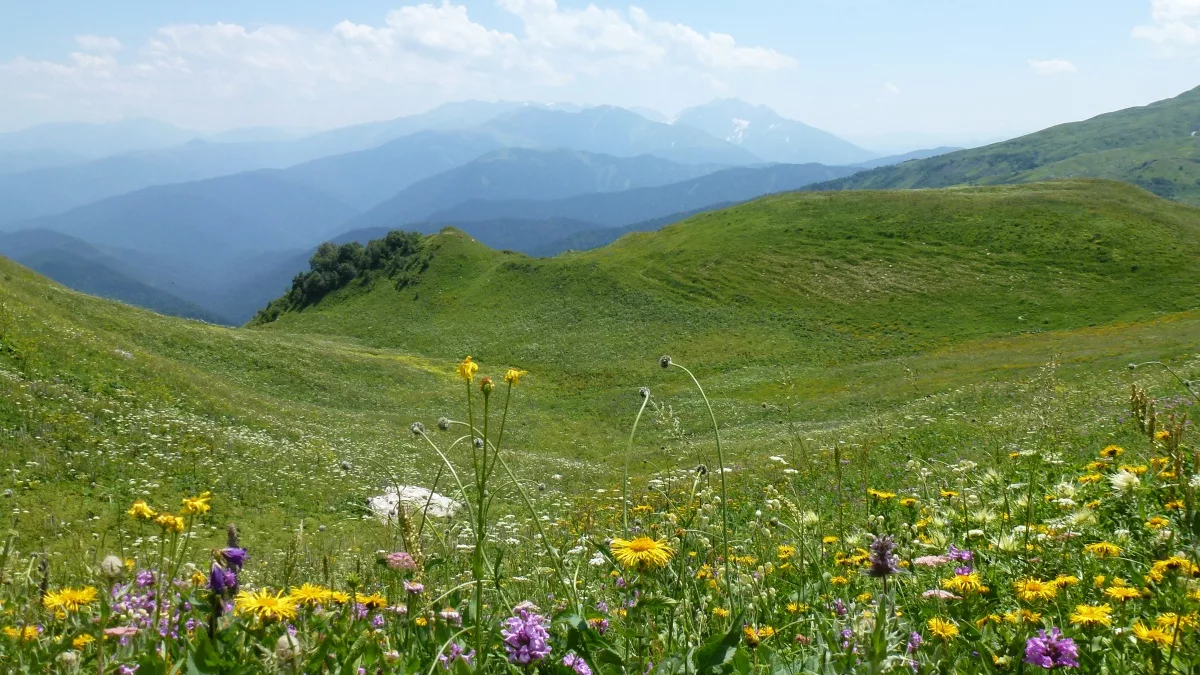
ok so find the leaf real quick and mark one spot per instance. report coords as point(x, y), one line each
point(716, 656)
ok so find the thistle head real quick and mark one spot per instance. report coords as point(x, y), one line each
point(664, 361)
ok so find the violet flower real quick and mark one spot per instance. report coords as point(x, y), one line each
point(1051, 650)
point(525, 636)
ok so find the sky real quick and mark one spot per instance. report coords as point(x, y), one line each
point(884, 73)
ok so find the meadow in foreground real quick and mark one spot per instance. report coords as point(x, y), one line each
point(1044, 558)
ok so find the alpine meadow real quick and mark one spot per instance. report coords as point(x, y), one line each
point(507, 386)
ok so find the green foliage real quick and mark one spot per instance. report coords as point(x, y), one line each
point(395, 256)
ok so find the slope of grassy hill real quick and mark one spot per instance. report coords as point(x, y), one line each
point(932, 311)
point(1154, 146)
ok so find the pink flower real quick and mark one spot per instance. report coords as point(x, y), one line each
point(121, 631)
point(940, 594)
point(931, 560)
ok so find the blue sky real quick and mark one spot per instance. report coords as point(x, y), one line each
point(876, 71)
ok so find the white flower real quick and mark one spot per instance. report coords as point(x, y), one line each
point(1124, 482)
point(1195, 482)
point(810, 518)
point(777, 458)
point(598, 560)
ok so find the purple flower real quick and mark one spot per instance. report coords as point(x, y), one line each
point(960, 554)
point(915, 641)
point(401, 560)
point(451, 617)
point(1051, 650)
point(576, 663)
point(884, 560)
point(145, 578)
point(235, 558)
point(525, 635)
point(222, 581)
point(599, 625)
point(455, 653)
point(414, 588)
point(127, 670)
point(839, 607)
point(377, 621)
point(963, 570)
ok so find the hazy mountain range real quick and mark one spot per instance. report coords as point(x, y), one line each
point(214, 227)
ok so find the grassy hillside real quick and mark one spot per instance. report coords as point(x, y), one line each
point(827, 317)
point(1151, 146)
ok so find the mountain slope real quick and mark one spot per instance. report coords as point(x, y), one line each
point(614, 131)
point(519, 173)
point(206, 220)
point(84, 139)
point(892, 160)
point(1152, 146)
point(633, 206)
point(815, 278)
point(765, 133)
point(81, 266)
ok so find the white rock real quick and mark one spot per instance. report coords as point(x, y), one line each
point(414, 498)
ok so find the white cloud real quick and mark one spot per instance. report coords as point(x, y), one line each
point(98, 43)
point(891, 89)
point(417, 56)
point(1175, 23)
point(1053, 67)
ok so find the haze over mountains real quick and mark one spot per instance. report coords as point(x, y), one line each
point(216, 227)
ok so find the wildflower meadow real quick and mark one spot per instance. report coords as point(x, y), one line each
point(1037, 557)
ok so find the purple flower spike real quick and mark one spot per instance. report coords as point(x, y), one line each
point(1051, 650)
point(884, 560)
point(525, 635)
point(235, 558)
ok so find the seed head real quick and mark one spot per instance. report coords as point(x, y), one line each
point(664, 361)
point(443, 424)
point(418, 428)
point(644, 392)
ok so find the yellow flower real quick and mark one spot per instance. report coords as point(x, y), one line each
point(1031, 590)
point(1098, 581)
point(964, 583)
point(1138, 470)
point(720, 612)
point(311, 594)
point(1170, 621)
point(1091, 478)
point(265, 605)
point(796, 607)
point(881, 495)
point(198, 578)
point(908, 501)
point(141, 511)
point(1023, 616)
point(82, 641)
point(1176, 505)
point(1176, 563)
point(421, 621)
point(643, 553)
point(1112, 451)
point(786, 552)
point(1162, 435)
point(863, 597)
point(985, 620)
point(839, 581)
point(467, 369)
point(27, 633)
point(1065, 580)
point(69, 599)
point(829, 540)
point(170, 523)
point(1103, 549)
point(1122, 593)
point(1156, 636)
point(339, 597)
point(513, 376)
point(942, 629)
point(195, 506)
point(1092, 615)
point(949, 494)
point(373, 601)
point(756, 635)
point(1157, 523)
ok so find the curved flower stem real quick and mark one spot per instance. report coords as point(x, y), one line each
point(1184, 383)
point(625, 480)
point(720, 467)
point(461, 489)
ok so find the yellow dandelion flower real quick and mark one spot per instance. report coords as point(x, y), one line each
point(786, 552)
point(338, 597)
point(720, 612)
point(1112, 451)
point(863, 597)
point(467, 369)
point(1139, 470)
point(964, 583)
point(1176, 505)
point(1032, 590)
point(643, 553)
point(948, 494)
point(311, 594)
point(1176, 563)
point(1122, 593)
point(1091, 478)
point(82, 641)
point(1098, 581)
point(1103, 549)
point(1162, 435)
point(26, 633)
point(796, 607)
point(881, 495)
point(421, 622)
point(265, 605)
point(198, 578)
point(839, 581)
point(1023, 616)
point(1157, 523)
point(754, 636)
point(908, 501)
point(942, 629)
point(199, 505)
point(69, 599)
point(141, 511)
point(513, 376)
point(985, 620)
point(170, 523)
point(829, 540)
point(1092, 615)
point(1155, 636)
point(1172, 621)
point(372, 601)
point(1065, 580)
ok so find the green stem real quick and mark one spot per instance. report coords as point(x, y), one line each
point(625, 480)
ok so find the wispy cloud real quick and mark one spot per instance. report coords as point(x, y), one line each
point(1053, 67)
point(1174, 23)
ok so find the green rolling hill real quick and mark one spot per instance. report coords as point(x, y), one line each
point(843, 315)
point(1155, 147)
